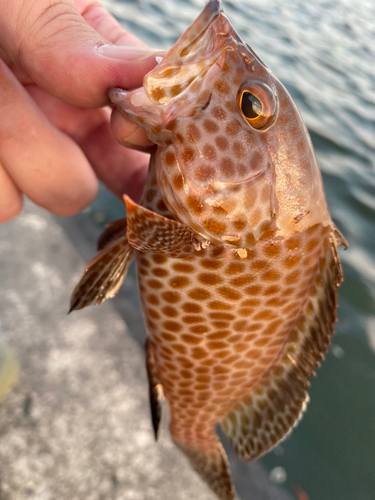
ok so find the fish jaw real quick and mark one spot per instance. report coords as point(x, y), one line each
point(181, 82)
point(231, 180)
point(191, 64)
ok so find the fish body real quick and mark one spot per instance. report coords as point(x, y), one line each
point(236, 252)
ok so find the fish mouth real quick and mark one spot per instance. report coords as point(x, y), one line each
point(181, 84)
point(199, 27)
point(191, 57)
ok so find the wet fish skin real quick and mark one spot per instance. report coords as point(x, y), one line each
point(236, 252)
point(213, 164)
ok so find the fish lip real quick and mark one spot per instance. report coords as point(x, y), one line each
point(182, 52)
point(215, 6)
point(196, 50)
point(212, 9)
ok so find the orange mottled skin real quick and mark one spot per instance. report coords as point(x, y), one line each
point(219, 320)
point(236, 252)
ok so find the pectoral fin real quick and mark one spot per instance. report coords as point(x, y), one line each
point(103, 275)
point(113, 231)
point(150, 232)
point(265, 417)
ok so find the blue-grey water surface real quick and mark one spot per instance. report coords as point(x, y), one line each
point(324, 53)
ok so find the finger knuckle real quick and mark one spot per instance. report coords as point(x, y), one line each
point(11, 209)
point(41, 30)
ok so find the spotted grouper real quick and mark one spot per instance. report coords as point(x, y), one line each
point(236, 252)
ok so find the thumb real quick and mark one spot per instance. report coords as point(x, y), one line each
point(51, 43)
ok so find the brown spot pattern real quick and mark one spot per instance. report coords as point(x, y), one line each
point(220, 320)
point(225, 320)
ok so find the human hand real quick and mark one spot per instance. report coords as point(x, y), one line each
point(55, 137)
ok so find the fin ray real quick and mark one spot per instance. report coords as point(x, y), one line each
point(150, 232)
point(155, 389)
point(103, 276)
point(112, 231)
point(211, 463)
point(341, 241)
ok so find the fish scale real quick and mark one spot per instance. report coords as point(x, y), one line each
point(236, 253)
point(223, 315)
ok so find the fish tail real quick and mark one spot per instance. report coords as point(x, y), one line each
point(208, 458)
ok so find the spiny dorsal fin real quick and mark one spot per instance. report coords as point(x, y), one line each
point(155, 389)
point(212, 465)
point(113, 231)
point(103, 275)
point(265, 417)
point(150, 232)
point(341, 241)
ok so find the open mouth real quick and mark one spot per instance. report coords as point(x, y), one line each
point(189, 58)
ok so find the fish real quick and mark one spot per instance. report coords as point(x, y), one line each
point(236, 253)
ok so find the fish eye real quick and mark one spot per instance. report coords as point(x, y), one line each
point(251, 107)
point(258, 104)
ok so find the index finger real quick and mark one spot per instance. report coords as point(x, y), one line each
point(104, 23)
point(58, 51)
point(127, 133)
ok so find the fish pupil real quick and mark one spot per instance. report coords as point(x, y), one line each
point(251, 106)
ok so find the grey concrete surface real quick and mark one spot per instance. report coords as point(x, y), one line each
point(76, 424)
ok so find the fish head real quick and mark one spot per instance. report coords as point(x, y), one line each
point(234, 162)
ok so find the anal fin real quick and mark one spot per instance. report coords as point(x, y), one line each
point(155, 389)
point(212, 465)
point(266, 416)
point(150, 232)
point(104, 275)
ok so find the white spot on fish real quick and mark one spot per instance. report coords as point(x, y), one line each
point(242, 253)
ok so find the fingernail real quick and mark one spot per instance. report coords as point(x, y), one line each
point(125, 53)
point(116, 95)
